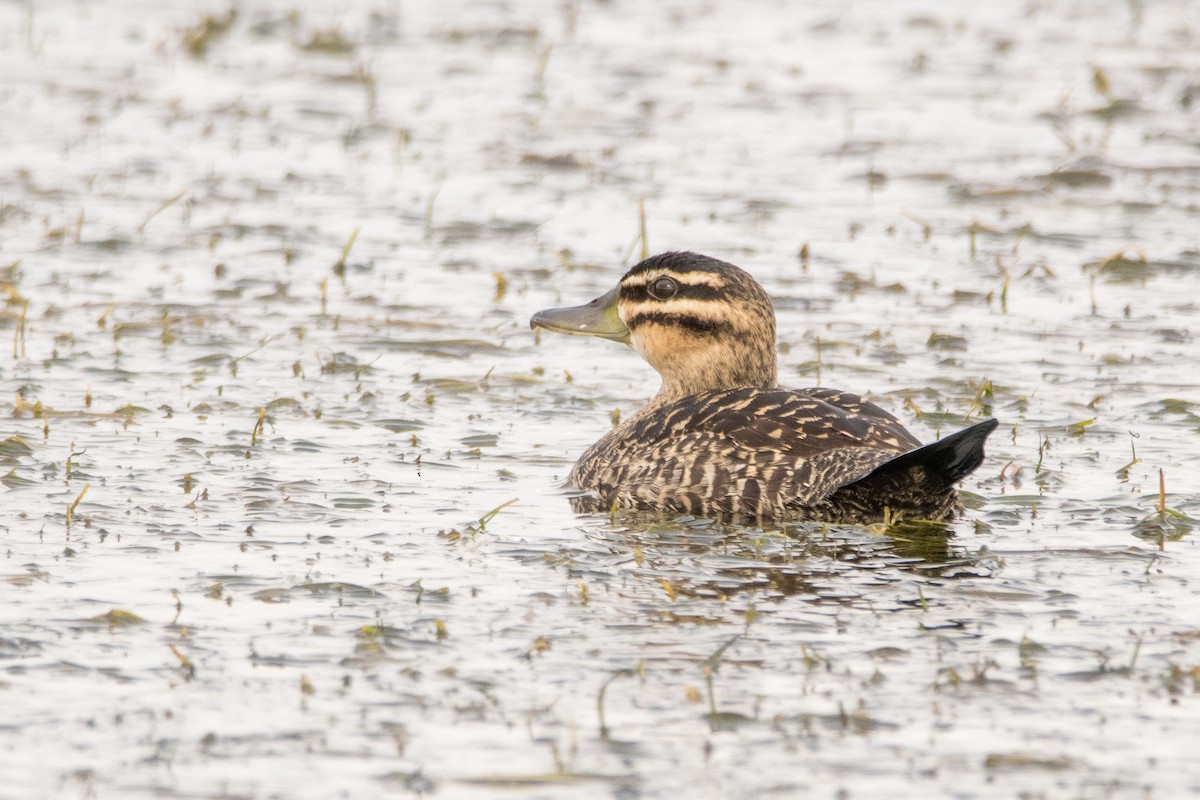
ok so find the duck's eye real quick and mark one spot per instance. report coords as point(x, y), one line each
point(664, 289)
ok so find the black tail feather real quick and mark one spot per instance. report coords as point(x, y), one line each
point(949, 460)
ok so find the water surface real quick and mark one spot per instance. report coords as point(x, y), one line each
point(268, 374)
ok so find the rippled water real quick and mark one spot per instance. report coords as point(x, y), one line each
point(268, 376)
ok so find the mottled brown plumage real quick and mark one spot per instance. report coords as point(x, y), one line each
point(721, 439)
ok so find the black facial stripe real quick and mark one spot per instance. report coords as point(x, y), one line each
point(689, 291)
point(691, 322)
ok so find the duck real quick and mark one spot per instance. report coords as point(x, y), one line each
point(722, 439)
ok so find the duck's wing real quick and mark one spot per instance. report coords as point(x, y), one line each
point(759, 452)
point(801, 423)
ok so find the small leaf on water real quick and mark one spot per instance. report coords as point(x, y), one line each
point(119, 618)
point(1077, 428)
point(14, 447)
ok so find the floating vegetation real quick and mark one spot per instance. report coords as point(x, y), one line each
point(119, 618)
point(210, 29)
point(330, 42)
point(1021, 761)
point(1077, 178)
point(13, 449)
point(1116, 109)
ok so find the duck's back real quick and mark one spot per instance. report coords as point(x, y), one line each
point(744, 453)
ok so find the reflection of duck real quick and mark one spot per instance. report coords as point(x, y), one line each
point(721, 439)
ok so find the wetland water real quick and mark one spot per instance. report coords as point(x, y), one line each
point(267, 369)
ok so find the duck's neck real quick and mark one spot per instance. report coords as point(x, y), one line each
point(690, 364)
point(715, 376)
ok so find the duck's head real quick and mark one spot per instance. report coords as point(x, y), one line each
point(702, 323)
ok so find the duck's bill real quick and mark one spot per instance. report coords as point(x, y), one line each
point(597, 318)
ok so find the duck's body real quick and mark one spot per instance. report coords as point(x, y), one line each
point(721, 439)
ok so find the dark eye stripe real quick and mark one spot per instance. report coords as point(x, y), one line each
point(689, 291)
point(690, 322)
